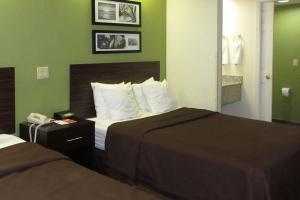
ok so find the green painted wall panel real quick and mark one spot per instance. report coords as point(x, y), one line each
point(286, 48)
point(57, 33)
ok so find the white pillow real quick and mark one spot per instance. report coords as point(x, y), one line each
point(158, 96)
point(101, 108)
point(140, 97)
point(121, 102)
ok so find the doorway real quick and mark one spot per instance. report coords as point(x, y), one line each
point(240, 76)
point(279, 56)
point(253, 20)
point(286, 69)
point(261, 95)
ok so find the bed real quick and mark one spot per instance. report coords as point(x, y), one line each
point(30, 171)
point(193, 153)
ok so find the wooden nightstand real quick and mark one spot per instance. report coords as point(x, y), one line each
point(76, 140)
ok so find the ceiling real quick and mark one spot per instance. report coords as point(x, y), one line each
point(291, 2)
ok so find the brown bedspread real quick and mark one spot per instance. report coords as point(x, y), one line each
point(29, 171)
point(198, 154)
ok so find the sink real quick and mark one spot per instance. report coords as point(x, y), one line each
point(231, 89)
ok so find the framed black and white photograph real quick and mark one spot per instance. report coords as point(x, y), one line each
point(116, 42)
point(125, 13)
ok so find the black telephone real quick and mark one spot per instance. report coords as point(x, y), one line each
point(63, 115)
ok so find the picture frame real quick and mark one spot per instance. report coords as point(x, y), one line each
point(116, 12)
point(116, 41)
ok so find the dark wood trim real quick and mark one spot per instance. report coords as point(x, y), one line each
point(286, 122)
point(7, 100)
point(81, 76)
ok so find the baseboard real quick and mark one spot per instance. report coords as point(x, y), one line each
point(285, 122)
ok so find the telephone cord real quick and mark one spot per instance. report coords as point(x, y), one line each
point(36, 131)
point(30, 134)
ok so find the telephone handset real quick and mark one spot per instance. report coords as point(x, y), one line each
point(37, 118)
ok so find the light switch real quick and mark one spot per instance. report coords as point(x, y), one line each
point(42, 73)
point(295, 62)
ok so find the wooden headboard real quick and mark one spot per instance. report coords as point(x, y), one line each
point(81, 76)
point(7, 100)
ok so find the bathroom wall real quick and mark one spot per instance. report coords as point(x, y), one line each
point(192, 48)
point(286, 48)
point(239, 17)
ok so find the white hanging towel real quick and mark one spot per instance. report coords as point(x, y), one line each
point(225, 51)
point(237, 50)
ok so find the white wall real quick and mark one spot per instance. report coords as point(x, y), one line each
point(192, 47)
point(240, 17)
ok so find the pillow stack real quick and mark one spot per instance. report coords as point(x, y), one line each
point(128, 101)
point(158, 96)
point(114, 101)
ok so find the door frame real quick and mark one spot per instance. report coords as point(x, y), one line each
point(219, 56)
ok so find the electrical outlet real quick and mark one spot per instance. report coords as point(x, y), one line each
point(295, 62)
point(42, 73)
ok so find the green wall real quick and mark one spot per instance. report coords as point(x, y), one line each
point(286, 48)
point(57, 33)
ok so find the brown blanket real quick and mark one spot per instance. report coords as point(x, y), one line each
point(24, 156)
point(198, 154)
point(29, 171)
point(130, 134)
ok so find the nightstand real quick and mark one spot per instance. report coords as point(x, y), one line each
point(76, 140)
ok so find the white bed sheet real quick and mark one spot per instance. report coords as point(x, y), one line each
point(9, 140)
point(101, 127)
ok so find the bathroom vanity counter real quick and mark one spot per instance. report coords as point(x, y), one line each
point(231, 80)
point(231, 89)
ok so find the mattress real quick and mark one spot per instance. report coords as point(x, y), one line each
point(9, 140)
point(101, 127)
